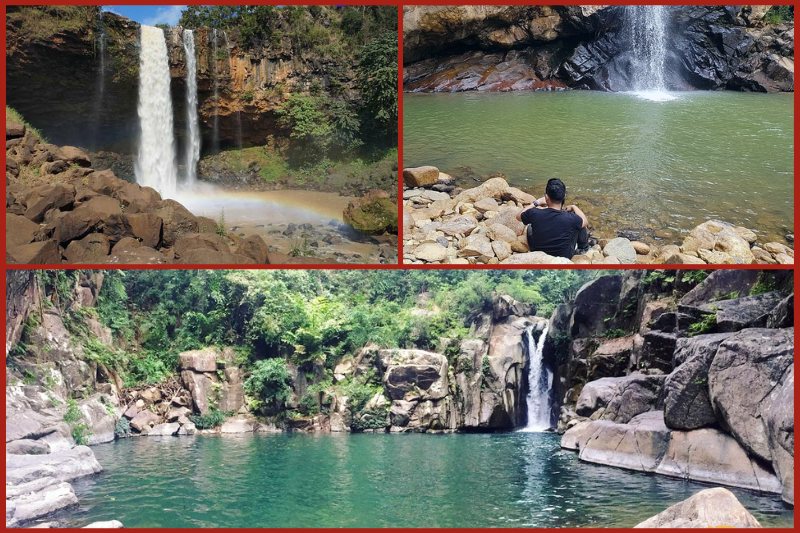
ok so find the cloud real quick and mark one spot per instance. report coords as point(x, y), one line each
point(111, 9)
point(165, 15)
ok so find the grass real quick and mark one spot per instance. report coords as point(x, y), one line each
point(779, 14)
point(42, 22)
point(14, 116)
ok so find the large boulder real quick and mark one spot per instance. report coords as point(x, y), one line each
point(204, 360)
point(98, 412)
point(708, 508)
point(778, 417)
point(637, 445)
point(611, 358)
point(375, 213)
point(745, 312)
point(746, 369)
point(414, 374)
point(594, 303)
point(598, 393)
point(634, 396)
point(420, 176)
point(720, 283)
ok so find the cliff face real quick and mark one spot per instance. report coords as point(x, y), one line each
point(659, 373)
point(74, 74)
point(496, 48)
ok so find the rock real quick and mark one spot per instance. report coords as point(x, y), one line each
point(19, 230)
point(144, 420)
point(745, 370)
point(461, 225)
point(108, 524)
point(640, 247)
point(687, 404)
point(239, 424)
point(502, 250)
point(596, 394)
point(35, 253)
point(711, 456)
point(637, 445)
point(64, 465)
point(500, 232)
point(477, 245)
point(783, 314)
point(719, 284)
point(374, 214)
point(518, 196)
point(576, 436)
point(636, 395)
point(740, 313)
point(146, 227)
point(622, 249)
point(164, 430)
point(40, 502)
point(420, 176)
point(611, 358)
point(709, 508)
point(42, 199)
point(27, 447)
point(594, 303)
point(683, 259)
point(177, 220)
point(74, 155)
point(99, 418)
point(14, 129)
point(699, 346)
point(414, 374)
point(491, 188)
point(535, 258)
point(204, 360)
point(255, 248)
point(778, 418)
point(93, 248)
point(430, 252)
point(486, 204)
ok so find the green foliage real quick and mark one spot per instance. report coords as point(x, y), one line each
point(486, 367)
point(112, 307)
point(12, 115)
point(270, 382)
point(765, 283)
point(614, 333)
point(213, 418)
point(74, 418)
point(377, 80)
point(221, 228)
point(706, 323)
point(779, 14)
point(694, 277)
point(122, 428)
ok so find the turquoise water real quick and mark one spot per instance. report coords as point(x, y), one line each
point(657, 168)
point(299, 480)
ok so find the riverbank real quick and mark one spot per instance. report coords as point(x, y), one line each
point(443, 223)
point(60, 209)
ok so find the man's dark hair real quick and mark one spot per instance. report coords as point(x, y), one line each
point(556, 190)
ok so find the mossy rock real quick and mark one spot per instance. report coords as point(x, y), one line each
point(375, 213)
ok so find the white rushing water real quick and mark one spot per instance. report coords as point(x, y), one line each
point(155, 161)
point(192, 122)
point(647, 27)
point(540, 381)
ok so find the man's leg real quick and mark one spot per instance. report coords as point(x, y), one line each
point(529, 236)
point(583, 238)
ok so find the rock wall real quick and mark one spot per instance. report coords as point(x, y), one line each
point(64, 44)
point(506, 48)
point(682, 379)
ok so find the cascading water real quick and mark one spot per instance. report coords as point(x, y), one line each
point(647, 27)
point(192, 123)
point(540, 381)
point(155, 162)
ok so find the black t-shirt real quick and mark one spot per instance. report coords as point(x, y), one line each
point(553, 231)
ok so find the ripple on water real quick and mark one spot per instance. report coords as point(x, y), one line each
point(372, 481)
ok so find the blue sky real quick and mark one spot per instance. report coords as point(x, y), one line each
point(149, 15)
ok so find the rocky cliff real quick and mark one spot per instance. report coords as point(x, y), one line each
point(686, 383)
point(506, 48)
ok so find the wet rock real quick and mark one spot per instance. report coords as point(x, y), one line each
point(622, 249)
point(708, 508)
point(637, 445)
point(144, 420)
point(164, 430)
point(374, 214)
point(107, 524)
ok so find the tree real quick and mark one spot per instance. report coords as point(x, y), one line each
point(377, 81)
point(269, 382)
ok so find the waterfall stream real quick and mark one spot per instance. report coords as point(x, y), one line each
point(155, 161)
point(192, 123)
point(540, 381)
point(647, 27)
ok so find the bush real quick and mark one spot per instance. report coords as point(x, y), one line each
point(269, 381)
point(122, 428)
point(74, 418)
point(210, 420)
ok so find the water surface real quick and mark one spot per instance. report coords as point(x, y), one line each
point(299, 480)
point(654, 166)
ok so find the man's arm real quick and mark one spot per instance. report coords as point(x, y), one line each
point(536, 203)
point(577, 210)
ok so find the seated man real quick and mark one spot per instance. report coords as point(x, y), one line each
point(552, 228)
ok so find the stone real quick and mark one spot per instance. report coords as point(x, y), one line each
point(63, 465)
point(146, 227)
point(414, 374)
point(431, 252)
point(576, 436)
point(100, 421)
point(745, 370)
point(740, 313)
point(19, 230)
point(204, 360)
point(502, 250)
point(255, 248)
point(778, 418)
point(719, 284)
point(486, 204)
point(711, 456)
point(518, 196)
point(491, 188)
point(634, 396)
point(687, 404)
point(164, 430)
point(683, 259)
point(637, 445)
point(36, 253)
point(611, 358)
point(622, 249)
point(144, 420)
point(107, 524)
point(640, 247)
point(596, 394)
point(420, 176)
point(93, 248)
point(477, 246)
point(782, 316)
point(14, 129)
point(27, 447)
point(177, 220)
point(460, 225)
point(238, 424)
point(500, 232)
point(535, 258)
point(41, 502)
point(375, 213)
point(74, 155)
point(709, 508)
point(42, 199)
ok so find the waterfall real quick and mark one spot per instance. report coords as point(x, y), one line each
point(540, 381)
point(647, 28)
point(100, 89)
point(192, 124)
point(155, 162)
point(215, 122)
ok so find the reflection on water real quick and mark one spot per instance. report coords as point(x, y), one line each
point(656, 168)
point(284, 480)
